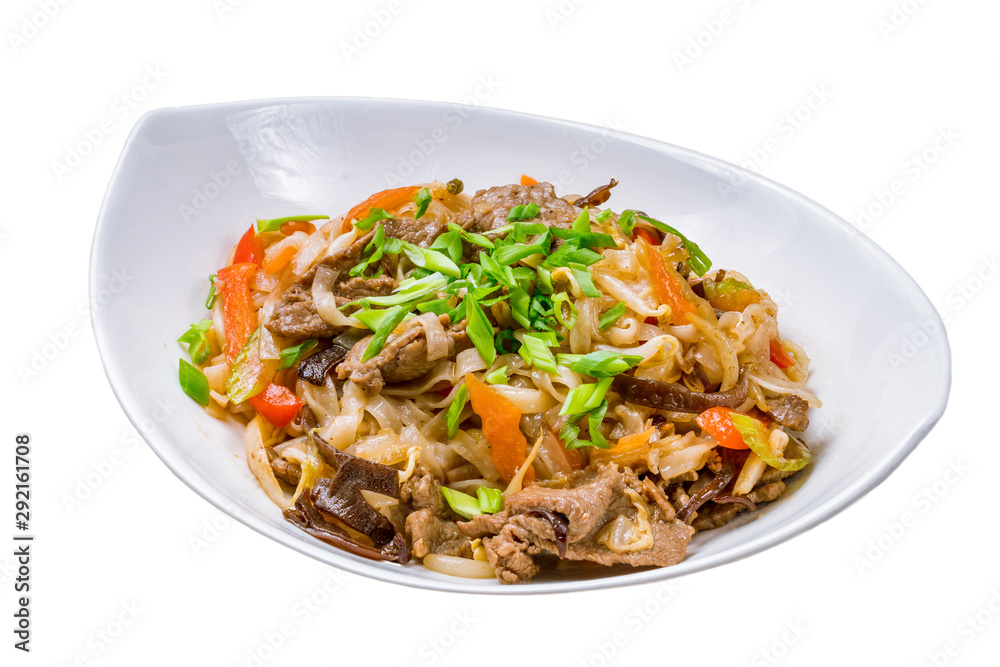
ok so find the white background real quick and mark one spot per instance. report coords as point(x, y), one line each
point(126, 552)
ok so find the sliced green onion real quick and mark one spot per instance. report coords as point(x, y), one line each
point(523, 212)
point(585, 280)
point(626, 222)
point(499, 376)
point(558, 301)
point(582, 223)
point(544, 277)
point(374, 215)
point(611, 315)
point(501, 273)
point(212, 296)
point(755, 436)
point(460, 503)
point(372, 253)
point(535, 350)
point(392, 319)
point(197, 339)
point(193, 382)
point(585, 397)
point(490, 500)
point(422, 199)
point(586, 240)
point(449, 243)
point(409, 291)
point(570, 253)
point(603, 216)
point(291, 355)
point(506, 336)
point(480, 331)
point(471, 237)
point(509, 254)
point(570, 431)
point(431, 260)
point(698, 260)
point(455, 409)
point(519, 304)
point(602, 363)
point(275, 224)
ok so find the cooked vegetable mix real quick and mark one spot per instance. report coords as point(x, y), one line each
point(495, 382)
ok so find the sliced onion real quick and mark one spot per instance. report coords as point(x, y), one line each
point(260, 466)
point(518, 479)
point(459, 567)
point(784, 387)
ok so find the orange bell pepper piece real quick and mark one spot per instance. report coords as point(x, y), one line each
point(668, 287)
point(276, 404)
point(501, 428)
point(385, 200)
point(718, 424)
point(249, 248)
point(290, 228)
point(237, 306)
point(528, 180)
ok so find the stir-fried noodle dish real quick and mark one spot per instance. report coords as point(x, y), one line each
point(500, 383)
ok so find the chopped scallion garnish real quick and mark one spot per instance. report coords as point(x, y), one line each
point(455, 409)
point(480, 331)
point(197, 339)
point(422, 199)
point(611, 315)
point(275, 224)
point(523, 212)
point(291, 355)
point(212, 296)
point(193, 382)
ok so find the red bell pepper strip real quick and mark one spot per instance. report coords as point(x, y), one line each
point(237, 306)
point(719, 424)
point(385, 200)
point(277, 404)
point(668, 287)
point(779, 357)
point(501, 428)
point(249, 249)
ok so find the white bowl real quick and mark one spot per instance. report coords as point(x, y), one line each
point(191, 180)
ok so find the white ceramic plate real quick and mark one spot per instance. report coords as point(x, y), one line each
point(191, 180)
